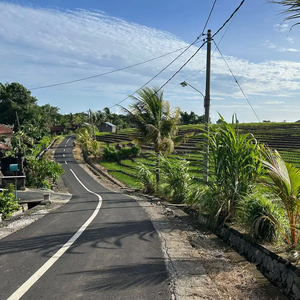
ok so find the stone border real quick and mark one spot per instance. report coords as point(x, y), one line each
point(279, 271)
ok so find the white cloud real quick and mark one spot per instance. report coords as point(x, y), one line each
point(43, 46)
point(270, 45)
point(282, 27)
point(288, 50)
point(273, 102)
point(290, 39)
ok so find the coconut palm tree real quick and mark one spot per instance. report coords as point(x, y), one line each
point(84, 138)
point(156, 123)
point(284, 182)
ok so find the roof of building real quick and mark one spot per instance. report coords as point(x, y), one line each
point(3, 146)
point(6, 129)
point(110, 124)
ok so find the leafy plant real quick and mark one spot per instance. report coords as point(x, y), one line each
point(84, 138)
point(262, 217)
point(292, 9)
point(234, 167)
point(177, 181)
point(8, 202)
point(283, 180)
point(41, 173)
point(156, 123)
point(111, 154)
point(147, 178)
point(95, 148)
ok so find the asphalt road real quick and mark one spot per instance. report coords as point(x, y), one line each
point(100, 245)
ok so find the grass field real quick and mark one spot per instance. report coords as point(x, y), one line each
point(282, 136)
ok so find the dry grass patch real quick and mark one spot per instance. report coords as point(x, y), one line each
point(234, 279)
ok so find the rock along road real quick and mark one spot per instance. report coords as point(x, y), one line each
point(100, 245)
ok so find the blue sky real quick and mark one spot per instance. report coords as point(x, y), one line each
point(48, 42)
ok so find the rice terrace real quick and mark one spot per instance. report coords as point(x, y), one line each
point(285, 137)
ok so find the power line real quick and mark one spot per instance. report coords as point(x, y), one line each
point(131, 66)
point(224, 24)
point(237, 82)
point(210, 13)
point(156, 74)
point(231, 16)
point(202, 33)
point(182, 67)
point(107, 73)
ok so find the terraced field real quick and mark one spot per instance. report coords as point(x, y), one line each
point(285, 137)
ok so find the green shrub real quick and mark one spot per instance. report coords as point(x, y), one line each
point(235, 165)
point(42, 173)
point(135, 150)
point(176, 179)
point(147, 178)
point(111, 154)
point(261, 217)
point(41, 145)
point(8, 202)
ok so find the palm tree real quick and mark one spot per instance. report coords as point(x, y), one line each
point(284, 182)
point(292, 9)
point(156, 123)
point(84, 139)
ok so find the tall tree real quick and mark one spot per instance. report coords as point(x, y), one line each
point(17, 103)
point(156, 123)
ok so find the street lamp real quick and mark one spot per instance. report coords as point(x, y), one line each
point(184, 84)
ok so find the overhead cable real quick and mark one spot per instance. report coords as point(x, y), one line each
point(231, 16)
point(107, 73)
point(197, 39)
point(235, 79)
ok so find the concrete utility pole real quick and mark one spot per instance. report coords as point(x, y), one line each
point(92, 122)
point(207, 106)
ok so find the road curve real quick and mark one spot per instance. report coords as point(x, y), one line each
point(100, 245)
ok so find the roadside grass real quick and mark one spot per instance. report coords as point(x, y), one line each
point(114, 166)
point(126, 179)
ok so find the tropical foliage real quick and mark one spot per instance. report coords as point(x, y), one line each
point(283, 181)
point(292, 9)
point(42, 173)
point(257, 212)
point(111, 154)
point(176, 180)
point(8, 202)
point(156, 123)
point(147, 178)
point(234, 167)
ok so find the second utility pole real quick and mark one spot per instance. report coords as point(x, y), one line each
point(207, 107)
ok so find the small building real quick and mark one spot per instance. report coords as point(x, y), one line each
point(108, 127)
point(6, 133)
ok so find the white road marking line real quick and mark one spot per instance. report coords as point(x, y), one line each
point(66, 162)
point(48, 264)
point(64, 150)
point(65, 146)
point(63, 155)
point(69, 139)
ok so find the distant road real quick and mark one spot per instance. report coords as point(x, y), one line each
point(100, 245)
